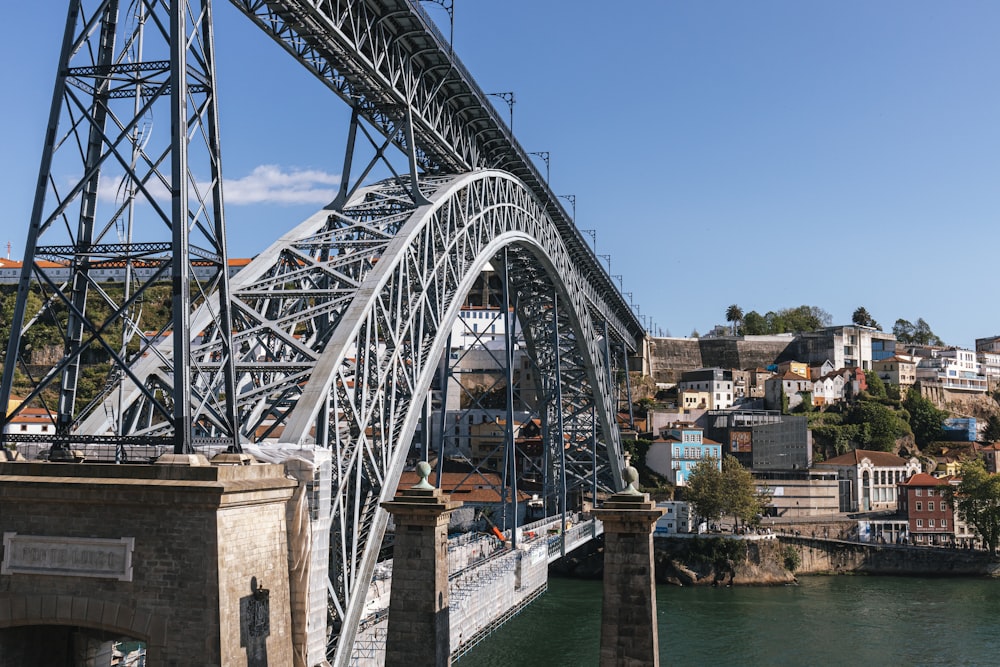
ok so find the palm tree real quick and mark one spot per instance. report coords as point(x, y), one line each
point(734, 314)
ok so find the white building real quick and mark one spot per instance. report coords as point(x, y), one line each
point(952, 369)
point(676, 518)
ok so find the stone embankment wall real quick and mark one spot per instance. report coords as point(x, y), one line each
point(669, 357)
point(821, 556)
point(716, 561)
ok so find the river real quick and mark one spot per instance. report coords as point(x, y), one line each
point(832, 620)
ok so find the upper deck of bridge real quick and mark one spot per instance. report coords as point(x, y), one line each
point(387, 55)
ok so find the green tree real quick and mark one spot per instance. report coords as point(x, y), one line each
point(731, 491)
point(704, 489)
point(734, 314)
point(878, 426)
point(740, 497)
point(926, 419)
point(977, 500)
point(754, 324)
point(876, 388)
point(992, 431)
point(918, 334)
point(861, 317)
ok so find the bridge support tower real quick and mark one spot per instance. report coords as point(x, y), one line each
point(419, 633)
point(629, 636)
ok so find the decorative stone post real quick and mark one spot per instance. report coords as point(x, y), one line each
point(419, 632)
point(629, 636)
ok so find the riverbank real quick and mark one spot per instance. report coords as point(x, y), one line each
point(733, 561)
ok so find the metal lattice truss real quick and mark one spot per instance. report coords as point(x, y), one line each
point(133, 117)
point(340, 325)
point(390, 63)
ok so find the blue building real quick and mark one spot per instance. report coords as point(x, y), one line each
point(680, 447)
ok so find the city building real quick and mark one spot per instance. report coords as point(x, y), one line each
point(680, 447)
point(851, 346)
point(868, 479)
point(930, 518)
point(676, 518)
point(716, 382)
point(899, 369)
point(791, 385)
point(951, 370)
point(801, 493)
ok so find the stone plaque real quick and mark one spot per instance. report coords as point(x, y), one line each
point(68, 556)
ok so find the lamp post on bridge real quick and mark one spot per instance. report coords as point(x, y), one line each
point(545, 156)
point(449, 6)
point(572, 202)
point(508, 97)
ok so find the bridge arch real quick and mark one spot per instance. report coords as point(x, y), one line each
point(363, 395)
point(340, 324)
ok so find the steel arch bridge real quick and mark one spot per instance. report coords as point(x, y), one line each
point(333, 335)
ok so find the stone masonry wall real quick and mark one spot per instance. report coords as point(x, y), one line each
point(669, 357)
point(186, 523)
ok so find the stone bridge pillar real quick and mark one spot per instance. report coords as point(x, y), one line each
point(191, 559)
point(419, 632)
point(629, 636)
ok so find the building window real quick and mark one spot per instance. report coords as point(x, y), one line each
point(944, 523)
point(920, 523)
point(930, 506)
point(920, 506)
point(930, 523)
point(930, 492)
point(920, 492)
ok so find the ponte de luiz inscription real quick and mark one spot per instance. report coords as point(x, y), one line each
point(68, 556)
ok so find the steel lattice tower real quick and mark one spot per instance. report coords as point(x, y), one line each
point(134, 126)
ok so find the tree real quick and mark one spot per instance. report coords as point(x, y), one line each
point(977, 500)
point(731, 491)
point(734, 314)
point(926, 419)
point(862, 318)
point(704, 489)
point(740, 497)
point(754, 324)
point(992, 431)
point(876, 388)
point(878, 426)
point(917, 334)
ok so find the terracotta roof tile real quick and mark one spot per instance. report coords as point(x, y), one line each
point(880, 459)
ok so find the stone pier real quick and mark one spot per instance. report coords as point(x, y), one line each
point(419, 627)
point(629, 636)
point(192, 560)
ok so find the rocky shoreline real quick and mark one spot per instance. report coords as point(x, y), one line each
point(717, 560)
point(695, 561)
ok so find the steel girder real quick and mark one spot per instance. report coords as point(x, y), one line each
point(388, 61)
point(340, 325)
point(117, 69)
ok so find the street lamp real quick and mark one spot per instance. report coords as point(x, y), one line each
point(449, 6)
point(572, 201)
point(507, 97)
point(545, 156)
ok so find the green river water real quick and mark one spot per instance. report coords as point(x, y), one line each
point(835, 620)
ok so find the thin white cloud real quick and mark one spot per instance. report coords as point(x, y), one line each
point(266, 184)
point(270, 184)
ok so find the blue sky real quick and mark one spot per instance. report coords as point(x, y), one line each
point(768, 154)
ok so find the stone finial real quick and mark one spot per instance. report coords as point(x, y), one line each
point(424, 470)
point(630, 476)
